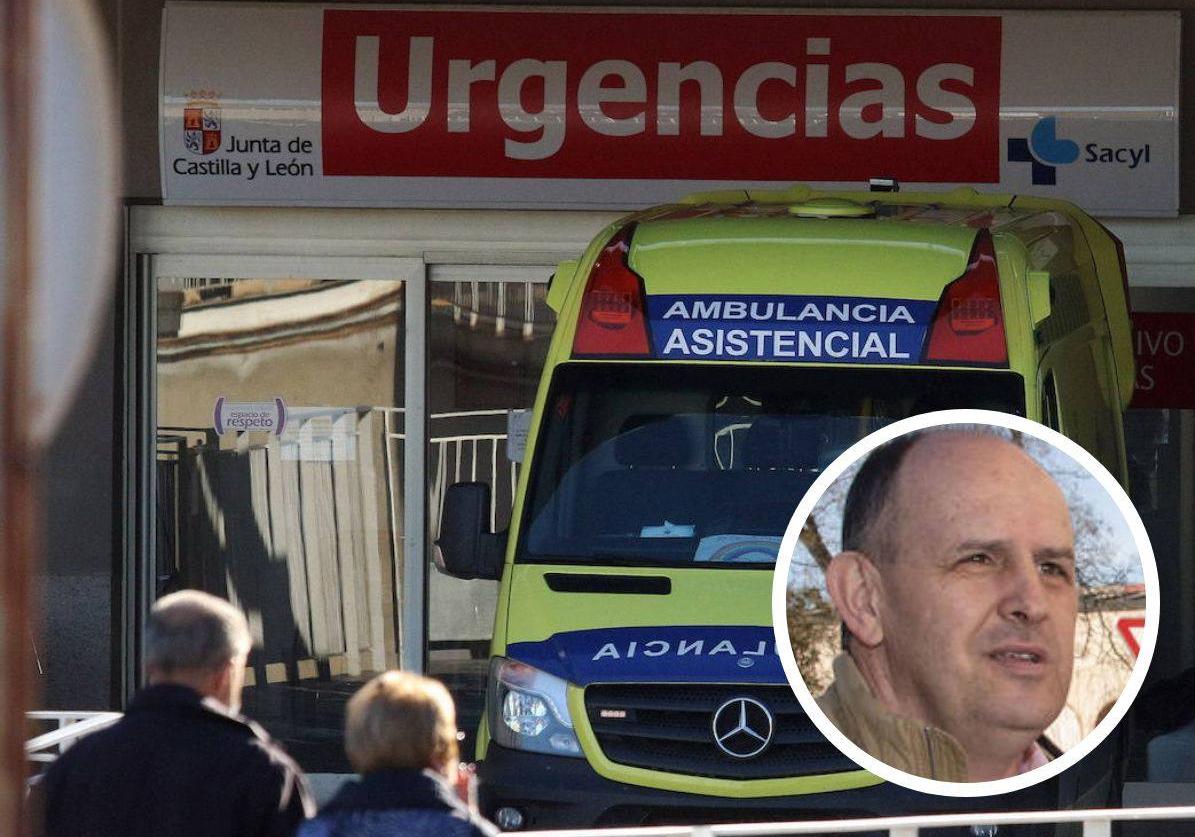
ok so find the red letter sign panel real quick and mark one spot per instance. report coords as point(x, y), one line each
point(1164, 345)
point(719, 96)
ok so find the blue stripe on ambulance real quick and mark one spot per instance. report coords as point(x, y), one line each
point(666, 654)
point(810, 329)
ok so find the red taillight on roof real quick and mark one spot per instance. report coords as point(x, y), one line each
point(968, 326)
point(613, 319)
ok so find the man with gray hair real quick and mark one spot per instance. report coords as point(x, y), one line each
point(181, 761)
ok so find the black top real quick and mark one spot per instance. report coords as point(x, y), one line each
point(386, 790)
point(175, 764)
point(389, 803)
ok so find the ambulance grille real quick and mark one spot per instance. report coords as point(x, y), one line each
point(668, 727)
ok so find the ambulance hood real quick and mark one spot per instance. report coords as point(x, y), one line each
point(694, 633)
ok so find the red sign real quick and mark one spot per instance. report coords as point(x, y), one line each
point(661, 96)
point(1130, 627)
point(1164, 346)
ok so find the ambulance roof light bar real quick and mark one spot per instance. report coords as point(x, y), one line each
point(613, 321)
point(968, 325)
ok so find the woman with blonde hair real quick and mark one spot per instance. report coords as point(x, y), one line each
point(400, 735)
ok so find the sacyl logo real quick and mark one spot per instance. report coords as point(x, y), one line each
point(1045, 151)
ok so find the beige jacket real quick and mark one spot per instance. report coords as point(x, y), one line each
point(902, 743)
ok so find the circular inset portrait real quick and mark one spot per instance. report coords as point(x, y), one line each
point(965, 603)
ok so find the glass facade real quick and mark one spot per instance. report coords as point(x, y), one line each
point(486, 343)
point(306, 530)
point(276, 474)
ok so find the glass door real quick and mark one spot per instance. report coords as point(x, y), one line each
point(281, 388)
point(488, 329)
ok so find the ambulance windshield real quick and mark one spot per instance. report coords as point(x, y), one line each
point(647, 465)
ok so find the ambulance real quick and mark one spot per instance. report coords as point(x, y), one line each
point(711, 357)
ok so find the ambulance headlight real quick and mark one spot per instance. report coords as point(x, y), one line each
point(529, 710)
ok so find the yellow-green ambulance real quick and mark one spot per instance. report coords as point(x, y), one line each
point(710, 358)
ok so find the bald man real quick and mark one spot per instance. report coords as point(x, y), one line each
point(956, 586)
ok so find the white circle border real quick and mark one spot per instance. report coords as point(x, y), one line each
point(925, 421)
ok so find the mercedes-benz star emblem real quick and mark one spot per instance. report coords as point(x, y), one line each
point(742, 727)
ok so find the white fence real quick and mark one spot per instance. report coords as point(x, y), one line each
point(71, 726)
point(453, 457)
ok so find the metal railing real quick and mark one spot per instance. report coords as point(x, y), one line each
point(476, 449)
point(1095, 822)
point(476, 302)
point(449, 453)
point(71, 726)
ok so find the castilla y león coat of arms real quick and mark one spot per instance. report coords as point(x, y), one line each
point(201, 123)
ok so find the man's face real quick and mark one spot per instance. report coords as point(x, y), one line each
point(978, 596)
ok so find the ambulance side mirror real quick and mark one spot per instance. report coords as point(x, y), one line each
point(466, 547)
point(560, 282)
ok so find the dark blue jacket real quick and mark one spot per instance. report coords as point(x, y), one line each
point(389, 803)
point(176, 765)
